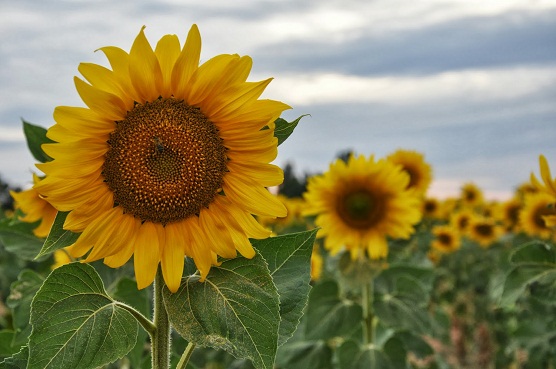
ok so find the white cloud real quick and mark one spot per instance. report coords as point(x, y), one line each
point(463, 86)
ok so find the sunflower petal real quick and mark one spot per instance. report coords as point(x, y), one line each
point(172, 258)
point(167, 52)
point(147, 254)
point(186, 64)
point(102, 102)
point(144, 69)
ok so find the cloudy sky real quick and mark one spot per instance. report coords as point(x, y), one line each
point(471, 84)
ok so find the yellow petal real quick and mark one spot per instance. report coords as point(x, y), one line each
point(203, 80)
point(172, 258)
point(82, 120)
point(186, 64)
point(266, 175)
point(91, 234)
point(119, 61)
point(126, 248)
point(199, 248)
point(144, 69)
point(214, 230)
point(167, 51)
point(246, 221)
point(252, 197)
point(101, 78)
point(546, 176)
point(147, 254)
point(102, 102)
point(234, 103)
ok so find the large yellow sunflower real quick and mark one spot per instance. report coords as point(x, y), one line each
point(413, 162)
point(361, 202)
point(169, 159)
point(35, 209)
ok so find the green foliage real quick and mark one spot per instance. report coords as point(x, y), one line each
point(76, 324)
point(17, 237)
point(58, 237)
point(284, 129)
point(36, 136)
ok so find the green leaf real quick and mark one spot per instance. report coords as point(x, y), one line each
point(127, 292)
point(305, 355)
point(284, 128)
point(16, 361)
point(18, 238)
point(353, 356)
point(289, 262)
point(58, 238)
point(533, 262)
point(400, 301)
point(36, 136)
point(76, 324)
point(236, 309)
point(21, 294)
point(6, 343)
point(328, 315)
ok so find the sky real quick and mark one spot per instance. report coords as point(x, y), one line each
point(471, 84)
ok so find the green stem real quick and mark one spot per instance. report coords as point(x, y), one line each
point(186, 356)
point(160, 339)
point(145, 323)
point(367, 292)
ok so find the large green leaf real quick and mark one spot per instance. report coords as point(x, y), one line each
point(284, 128)
point(76, 324)
point(400, 301)
point(21, 294)
point(36, 136)
point(353, 356)
point(236, 309)
point(16, 361)
point(532, 262)
point(289, 262)
point(330, 316)
point(7, 348)
point(305, 355)
point(18, 238)
point(58, 237)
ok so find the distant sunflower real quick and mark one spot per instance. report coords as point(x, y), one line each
point(316, 264)
point(447, 239)
point(533, 217)
point(508, 213)
point(484, 231)
point(471, 195)
point(549, 186)
point(461, 220)
point(431, 208)
point(361, 202)
point(35, 208)
point(169, 159)
point(414, 164)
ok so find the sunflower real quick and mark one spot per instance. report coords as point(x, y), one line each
point(537, 215)
point(169, 159)
point(62, 257)
point(461, 220)
point(431, 208)
point(446, 240)
point(35, 209)
point(484, 231)
point(361, 202)
point(316, 264)
point(414, 164)
point(471, 195)
point(549, 186)
point(508, 213)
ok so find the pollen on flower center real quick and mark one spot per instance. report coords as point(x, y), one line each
point(359, 209)
point(165, 161)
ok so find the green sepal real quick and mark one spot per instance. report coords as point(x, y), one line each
point(284, 129)
point(58, 238)
point(36, 136)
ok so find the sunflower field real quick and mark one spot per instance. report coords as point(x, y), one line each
point(159, 234)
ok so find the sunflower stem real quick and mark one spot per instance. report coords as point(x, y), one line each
point(186, 356)
point(160, 339)
point(367, 292)
point(143, 320)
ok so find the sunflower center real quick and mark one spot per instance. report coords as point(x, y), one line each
point(165, 161)
point(413, 177)
point(360, 209)
point(541, 212)
point(485, 230)
point(445, 239)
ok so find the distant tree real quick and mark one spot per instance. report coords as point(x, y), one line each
point(292, 185)
point(6, 200)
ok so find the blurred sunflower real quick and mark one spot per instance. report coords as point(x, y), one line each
point(447, 239)
point(361, 202)
point(484, 231)
point(414, 164)
point(538, 215)
point(431, 208)
point(169, 159)
point(35, 208)
point(508, 213)
point(316, 264)
point(471, 195)
point(549, 186)
point(461, 220)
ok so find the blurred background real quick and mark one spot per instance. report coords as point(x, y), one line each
point(470, 84)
